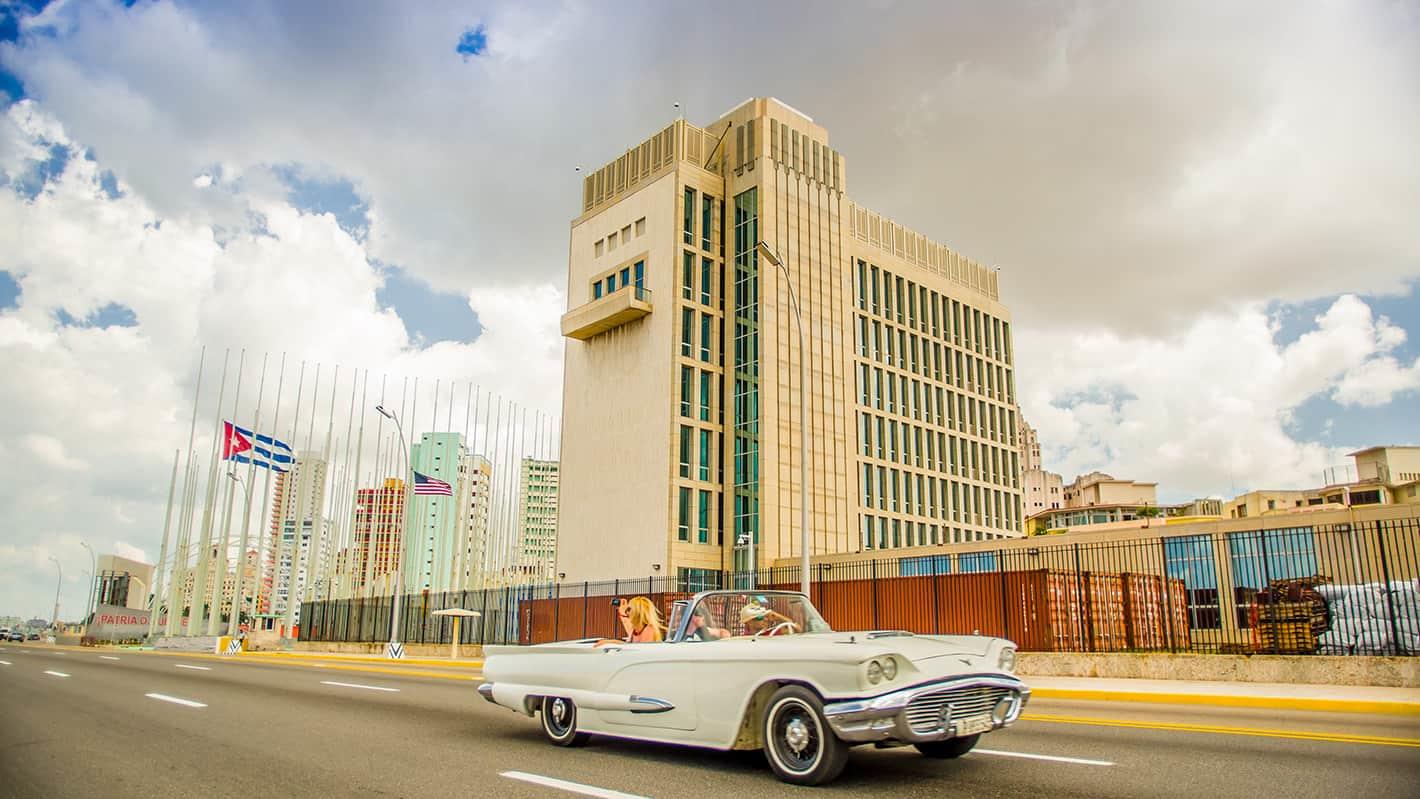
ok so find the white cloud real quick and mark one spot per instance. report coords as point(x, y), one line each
point(1207, 410)
point(50, 452)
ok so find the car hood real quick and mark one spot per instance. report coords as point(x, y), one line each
point(916, 648)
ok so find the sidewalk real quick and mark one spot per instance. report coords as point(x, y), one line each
point(1281, 696)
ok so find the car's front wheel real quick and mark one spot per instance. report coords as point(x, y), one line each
point(951, 747)
point(800, 747)
point(559, 722)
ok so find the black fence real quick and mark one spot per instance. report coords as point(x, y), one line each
point(1306, 589)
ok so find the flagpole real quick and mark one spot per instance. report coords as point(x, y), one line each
point(376, 512)
point(238, 601)
point(264, 521)
point(301, 544)
point(287, 510)
point(219, 559)
point(319, 532)
point(174, 584)
point(199, 584)
point(163, 551)
point(395, 650)
point(177, 582)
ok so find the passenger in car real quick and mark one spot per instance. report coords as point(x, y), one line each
point(640, 620)
point(702, 627)
point(757, 619)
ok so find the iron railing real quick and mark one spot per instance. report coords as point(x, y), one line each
point(1305, 589)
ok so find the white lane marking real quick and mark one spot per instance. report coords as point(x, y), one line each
point(573, 787)
point(4, 662)
point(194, 668)
point(56, 674)
point(107, 657)
point(175, 700)
point(356, 685)
point(1052, 758)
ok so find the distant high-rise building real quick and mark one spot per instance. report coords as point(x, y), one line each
point(682, 391)
point(1040, 490)
point(537, 519)
point(431, 543)
point(376, 535)
point(298, 496)
point(475, 501)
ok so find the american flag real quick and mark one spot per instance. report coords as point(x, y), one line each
point(426, 486)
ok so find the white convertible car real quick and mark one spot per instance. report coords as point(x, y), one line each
point(762, 670)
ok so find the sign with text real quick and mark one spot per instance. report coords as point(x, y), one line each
point(114, 623)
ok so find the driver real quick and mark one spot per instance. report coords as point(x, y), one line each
point(758, 619)
point(702, 626)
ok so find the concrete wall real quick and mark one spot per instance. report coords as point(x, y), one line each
point(1396, 672)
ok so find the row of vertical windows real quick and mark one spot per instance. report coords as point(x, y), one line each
point(690, 289)
point(920, 401)
point(745, 447)
point(881, 532)
point(633, 274)
point(890, 296)
point(697, 328)
point(694, 507)
point(707, 207)
point(913, 493)
point(690, 408)
point(893, 346)
point(702, 467)
point(908, 444)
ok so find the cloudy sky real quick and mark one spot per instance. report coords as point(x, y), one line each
point(1204, 214)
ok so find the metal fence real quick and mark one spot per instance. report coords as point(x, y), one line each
point(1308, 589)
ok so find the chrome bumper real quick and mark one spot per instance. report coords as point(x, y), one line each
point(486, 691)
point(884, 718)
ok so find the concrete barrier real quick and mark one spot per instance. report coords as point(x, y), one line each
point(199, 643)
point(1392, 672)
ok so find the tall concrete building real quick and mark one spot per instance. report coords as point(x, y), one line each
point(298, 498)
point(475, 502)
point(537, 520)
point(681, 403)
point(431, 539)
point(375, 538)
point(1040, 490)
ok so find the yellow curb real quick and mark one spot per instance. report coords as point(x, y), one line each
point(1270, 702)
point(1335, 737)
point(460, 664)
point(251, 658)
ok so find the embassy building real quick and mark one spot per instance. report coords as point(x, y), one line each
point(681, 400)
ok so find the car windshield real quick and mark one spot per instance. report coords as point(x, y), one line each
point(734, 614)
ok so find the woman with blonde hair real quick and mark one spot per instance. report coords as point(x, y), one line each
point(640, 620)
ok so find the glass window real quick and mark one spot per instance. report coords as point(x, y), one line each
point(689, 214)
point(976, 562)
point(1261, 557)
point(704, 396)
point(684, 451)
point(683, 516)
point(703, 518)
point(640, 274)
point(706, 268)
point(1190, 559)
point(687, 332)
point(705, 329)
point(687, 275)
point(597, 290)
point(625, 276)
point(610, 283)
point(705, 456)
point(687, 376)
point(707, 205)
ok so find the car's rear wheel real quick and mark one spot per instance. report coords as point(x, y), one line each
point(951, 747)
point(559, 722)
point(798, 743)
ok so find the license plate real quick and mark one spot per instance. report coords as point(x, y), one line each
point(973, 725)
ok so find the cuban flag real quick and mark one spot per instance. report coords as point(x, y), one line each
point(426, 486)
point(240, 445)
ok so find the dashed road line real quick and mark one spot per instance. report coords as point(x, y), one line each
point(4, 663)
point(107, 657)
point(194, 668)
point(1301, 735)
point(571, 787)
point(175, 700)
point(1079, 761)
point(56, 673)
point(357, 685)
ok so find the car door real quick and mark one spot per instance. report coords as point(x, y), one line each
point(656, 671)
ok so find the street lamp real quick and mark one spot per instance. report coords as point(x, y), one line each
point(93, 583)
point(803, 423)
point(394, 650)
point(234, 623)
point(59, 583)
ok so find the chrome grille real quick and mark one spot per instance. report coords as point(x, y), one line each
point(924, 714)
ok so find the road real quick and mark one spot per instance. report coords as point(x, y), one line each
point(121, 723)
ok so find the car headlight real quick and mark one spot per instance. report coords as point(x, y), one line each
point(875, 672)
point(890, 668)
point(1007, 661)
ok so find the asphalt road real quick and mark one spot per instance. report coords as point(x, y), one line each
point(102, 723)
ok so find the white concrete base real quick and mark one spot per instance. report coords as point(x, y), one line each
point(1394, 672)
point(198, 643)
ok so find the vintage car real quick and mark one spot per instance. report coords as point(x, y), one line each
point(762, 670)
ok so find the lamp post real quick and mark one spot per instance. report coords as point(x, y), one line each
point(93, 584)
point(394, 650)
point(234, 623)
point(803, 423)
point(57, 585)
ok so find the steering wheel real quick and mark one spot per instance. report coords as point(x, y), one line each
point(783, 625)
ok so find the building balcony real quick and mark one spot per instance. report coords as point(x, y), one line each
point(603, 314)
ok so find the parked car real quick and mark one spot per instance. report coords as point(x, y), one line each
point(16, 635)
point(763, 670)
point(33, 637)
